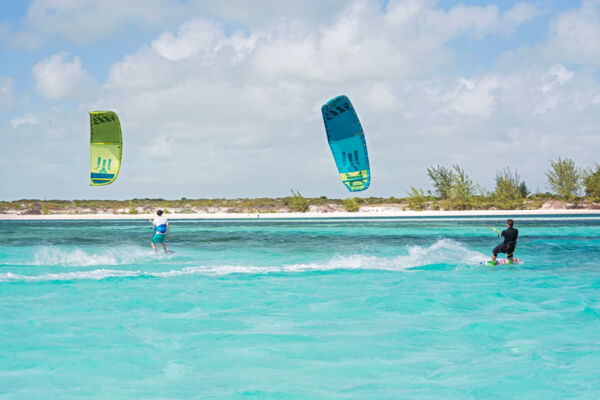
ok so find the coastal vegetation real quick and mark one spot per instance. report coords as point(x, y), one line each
point(591, 182)
point(453, 189)
point(564, 178)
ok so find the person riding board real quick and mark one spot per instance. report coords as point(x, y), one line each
point(510, 242)
point(161, 230)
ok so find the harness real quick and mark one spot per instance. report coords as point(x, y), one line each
point(161, 228)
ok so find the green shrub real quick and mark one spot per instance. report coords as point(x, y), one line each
point(591, 181)
point(416, 199)
point(442, 180)
point(461, 190)
point(297, 202)
point(132, 209)
point(508, 194)
point(350, 204)
point(481, 202)
point(564, 178)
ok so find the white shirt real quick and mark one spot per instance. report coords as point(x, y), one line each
point(162, 220)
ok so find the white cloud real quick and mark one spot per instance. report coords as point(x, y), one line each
point(558, 74)
point(27, 119)
point(198, 37)
point(91, 20)
point(236, 105)
point(519, 14)
point(58, 78)
point(85, 21)
point(26, 39)
point(159, 147)
point(575, 33)
point(474, 97)
point(141, 71)
point(6, 92)
point(241, 108)
point(361, 42)
point(474, 21)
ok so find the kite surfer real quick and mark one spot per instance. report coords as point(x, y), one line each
point(510, 242)
point(161, 230)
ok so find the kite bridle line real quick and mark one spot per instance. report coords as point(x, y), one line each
point(494, 229)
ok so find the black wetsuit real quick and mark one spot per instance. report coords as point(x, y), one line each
point(510, 242)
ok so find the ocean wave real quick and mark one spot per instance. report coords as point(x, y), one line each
point(96, 274)
point(80, 258)
point(443, 251)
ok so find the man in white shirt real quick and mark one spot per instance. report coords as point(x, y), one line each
point(161, 230)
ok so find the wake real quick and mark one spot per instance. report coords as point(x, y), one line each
point(80, 258)
point(444, 251)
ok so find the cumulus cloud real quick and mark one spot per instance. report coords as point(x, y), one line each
point(58, 78)
point(575, 33)
point(26, 39)
point(6, 92)
point(362, 41)
point(557, 74)
point(143, 70)
point(473, 97)
point(193, 38)
point(517, 15)
point(241, 107)
point(85, 21)
point(92, 20)
point(238, 104)
point(27, 119)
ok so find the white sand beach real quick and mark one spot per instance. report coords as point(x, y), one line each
point(338, 214)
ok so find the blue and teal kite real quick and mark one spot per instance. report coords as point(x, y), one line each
point(347, 142)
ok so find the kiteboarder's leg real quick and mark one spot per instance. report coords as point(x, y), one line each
point(510, 250)
point(155, 239)
point(159, 238)
point(497, 249)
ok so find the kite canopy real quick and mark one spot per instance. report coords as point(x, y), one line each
point(106, 145)
point(347, 142)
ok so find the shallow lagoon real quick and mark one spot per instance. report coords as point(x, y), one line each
point(356, 308)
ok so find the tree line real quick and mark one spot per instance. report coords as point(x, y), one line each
point(454, 189)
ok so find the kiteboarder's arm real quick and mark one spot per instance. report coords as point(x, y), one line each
point(168, 231)
point(494, 229)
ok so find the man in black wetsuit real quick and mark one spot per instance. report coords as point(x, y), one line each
point(510, 242)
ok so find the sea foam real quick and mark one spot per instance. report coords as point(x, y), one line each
point(79, 258)
point(444, 251)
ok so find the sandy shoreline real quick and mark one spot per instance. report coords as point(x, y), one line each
point(469, 213)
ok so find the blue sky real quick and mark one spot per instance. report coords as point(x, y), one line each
point(221, 99)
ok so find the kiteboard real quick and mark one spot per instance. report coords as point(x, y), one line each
point(347, 142)
point(502, 262)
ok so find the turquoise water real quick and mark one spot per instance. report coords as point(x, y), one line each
point(315, 309)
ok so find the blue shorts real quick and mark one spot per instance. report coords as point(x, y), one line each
point(159, 237)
